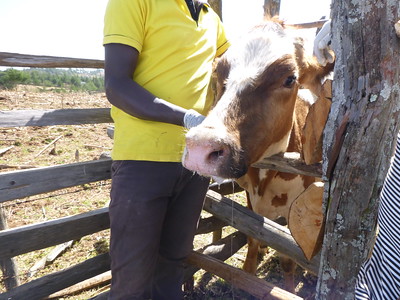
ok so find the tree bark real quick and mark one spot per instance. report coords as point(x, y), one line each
point(216, 6)
point(359, 136)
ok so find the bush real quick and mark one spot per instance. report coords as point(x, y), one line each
point(72, 80)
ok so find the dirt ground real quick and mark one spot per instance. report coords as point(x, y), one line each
point(28, 147)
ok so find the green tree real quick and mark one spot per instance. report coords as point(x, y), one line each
point(11, 77)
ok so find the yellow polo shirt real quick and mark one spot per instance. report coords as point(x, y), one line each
point(175, 64)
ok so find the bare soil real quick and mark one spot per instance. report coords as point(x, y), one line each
point(82, 143)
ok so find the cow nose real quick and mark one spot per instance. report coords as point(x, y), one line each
point(216, 155)
point(205, 157)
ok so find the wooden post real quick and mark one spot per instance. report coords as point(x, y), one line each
point(359, 136)
point(271, 8)
point(216, 6)
point(8, 265)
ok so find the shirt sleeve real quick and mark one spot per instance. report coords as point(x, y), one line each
point(124, 23)
point(222, 42)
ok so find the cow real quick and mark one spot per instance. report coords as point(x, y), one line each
point(259, 112)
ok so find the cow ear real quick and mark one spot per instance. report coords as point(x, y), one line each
point(311, 74)
point(220, 75)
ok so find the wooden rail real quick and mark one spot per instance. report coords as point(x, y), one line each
point(17, 118)
point(24, 183)
point(41, 235)
point(39, 61)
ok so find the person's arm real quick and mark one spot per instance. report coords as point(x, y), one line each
point(127, 95)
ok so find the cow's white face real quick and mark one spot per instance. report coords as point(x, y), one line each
point(257, 84)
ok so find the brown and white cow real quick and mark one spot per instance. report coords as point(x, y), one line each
point(259, 113)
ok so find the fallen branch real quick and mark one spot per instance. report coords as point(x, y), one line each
point(17, 167)
point(50, 258)
point(47, 146)
point(100, 147)
point(4, 150)
point(87, 284)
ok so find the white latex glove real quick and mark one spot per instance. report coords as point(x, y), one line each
point(192, 118)
point(322, 45)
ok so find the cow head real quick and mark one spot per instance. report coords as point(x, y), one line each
point(257, 83)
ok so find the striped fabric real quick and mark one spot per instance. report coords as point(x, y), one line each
point(379, 276)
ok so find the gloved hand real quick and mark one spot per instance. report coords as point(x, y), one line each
point(192, 118)
point(322, 42)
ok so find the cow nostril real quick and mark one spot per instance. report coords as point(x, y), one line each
point(213, 156)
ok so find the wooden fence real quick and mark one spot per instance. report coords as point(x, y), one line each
point(24, 183)
point(334, 264)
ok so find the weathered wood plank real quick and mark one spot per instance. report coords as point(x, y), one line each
point(250, 223)
point(28, 238)
point(210, 224)
point(24, 183)
point(40, 288)
point(289, 162)
point(38, 236)
point(36, 61)
point(8, 265)
point(49, 117)
point(257, 287)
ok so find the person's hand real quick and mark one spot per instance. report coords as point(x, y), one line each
point(322, 45)
point(192, 118)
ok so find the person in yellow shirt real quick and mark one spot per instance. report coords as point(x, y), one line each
point(158, 64)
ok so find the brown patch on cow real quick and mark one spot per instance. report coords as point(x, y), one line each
point(286, 176)
point(279, 201)
point(307, 181)
point(264, 182)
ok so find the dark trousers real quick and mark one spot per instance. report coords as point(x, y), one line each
point(154, 212)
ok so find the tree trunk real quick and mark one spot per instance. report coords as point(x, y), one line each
point(216, 6)
point(271, 8)
point(359, 136)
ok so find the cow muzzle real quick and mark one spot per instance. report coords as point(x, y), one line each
point(210, 155)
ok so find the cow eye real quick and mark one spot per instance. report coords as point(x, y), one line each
point(289, 82)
